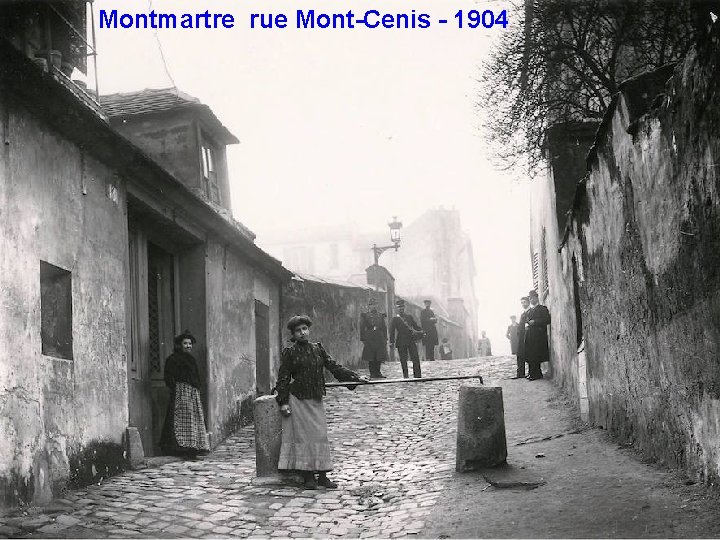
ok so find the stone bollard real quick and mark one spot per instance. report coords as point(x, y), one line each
point(134, 447)
point(268, 433)
point(481, 428)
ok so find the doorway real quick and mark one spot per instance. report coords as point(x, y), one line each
point(153, 314)
point(580, 340)
point(262, 349)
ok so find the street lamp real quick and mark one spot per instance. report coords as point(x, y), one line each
point(395, 227)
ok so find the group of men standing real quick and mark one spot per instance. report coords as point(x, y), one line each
point(528, 337)
point(403, 335)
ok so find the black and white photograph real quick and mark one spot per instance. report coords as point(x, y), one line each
point(359, 269)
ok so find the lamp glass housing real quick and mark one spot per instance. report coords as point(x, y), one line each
point(395, 227)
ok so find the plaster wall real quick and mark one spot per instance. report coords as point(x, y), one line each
point(335, 312)
point(61, 206)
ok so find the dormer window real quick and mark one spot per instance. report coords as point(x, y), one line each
point(209, 170)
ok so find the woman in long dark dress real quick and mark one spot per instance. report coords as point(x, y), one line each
point(184, 431)
point(301, 387)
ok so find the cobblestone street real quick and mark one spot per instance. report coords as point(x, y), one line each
point(394, 449)
point(395, 457)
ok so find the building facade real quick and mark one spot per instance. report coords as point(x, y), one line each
point(106, 255)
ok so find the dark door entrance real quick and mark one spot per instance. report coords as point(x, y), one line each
point(262, 348)
point(152, 327)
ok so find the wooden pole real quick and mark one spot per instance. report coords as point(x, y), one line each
point(396, 381)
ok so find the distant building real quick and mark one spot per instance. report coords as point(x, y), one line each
point(435, 261)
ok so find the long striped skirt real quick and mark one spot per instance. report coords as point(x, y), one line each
point(189, 421)
point(305, 445)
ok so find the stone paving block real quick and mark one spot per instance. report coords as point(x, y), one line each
point(221, 516)
point(210, 507)
point(34, 523)
point(177, 529)
point(51, 529)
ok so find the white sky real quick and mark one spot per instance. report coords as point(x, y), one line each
point(344, 125)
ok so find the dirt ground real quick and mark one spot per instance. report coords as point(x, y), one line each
point(565, 480)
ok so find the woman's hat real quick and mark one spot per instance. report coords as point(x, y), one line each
point(399, 302)
point(297, 320)
point(185, 335)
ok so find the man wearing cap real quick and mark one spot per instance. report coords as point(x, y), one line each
point(536, 345)
point(404, 331)
point(428, 321)
point(373, 334)
point(520, 357)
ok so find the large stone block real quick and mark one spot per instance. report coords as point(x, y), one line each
point(134, 447)
point(481, 428)
point(268, 434)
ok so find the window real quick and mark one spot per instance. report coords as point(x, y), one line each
point(535, 270)
point(209, 169)
point(56, 311)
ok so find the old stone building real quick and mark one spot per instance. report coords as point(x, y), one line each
point(630, 274)
point(108, 251)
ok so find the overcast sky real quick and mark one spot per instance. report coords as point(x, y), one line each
point(344, 126)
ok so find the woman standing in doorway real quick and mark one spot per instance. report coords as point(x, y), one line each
point(184, 431)
point(301, 387)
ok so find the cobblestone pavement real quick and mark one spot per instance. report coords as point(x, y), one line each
point(394, 451)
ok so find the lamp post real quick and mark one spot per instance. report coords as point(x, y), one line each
point(395, 227)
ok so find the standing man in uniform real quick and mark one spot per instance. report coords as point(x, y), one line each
point(404, 331)
point(428, 321)
point(525, 303)
point(373, 334)
point(536, 343)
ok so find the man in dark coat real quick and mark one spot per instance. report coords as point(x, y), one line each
point(536, 343)
point(520, 355)
point(404, 331)
point(512, 334)
point(428, 321)
point(373, 334)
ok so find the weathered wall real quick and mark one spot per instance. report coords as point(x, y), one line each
point(230, 338)
point(650, 232)
point(232, 287)
point(61, 206)
point(171, 139)
point(335, 312)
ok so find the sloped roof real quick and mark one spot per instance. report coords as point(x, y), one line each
point(146, 101)
point(331, 281)
point(159, 100)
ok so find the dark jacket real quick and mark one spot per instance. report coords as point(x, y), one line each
point(301, 372)
point(428, 321)
point(406, 329)
point(536, 343)
point(373, 329)
point(181, 367)
point(512, 335)
point(521, 335)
